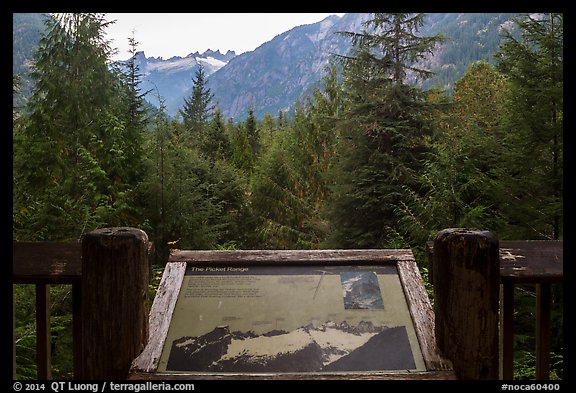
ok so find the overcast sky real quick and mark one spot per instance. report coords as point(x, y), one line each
point(167, 35)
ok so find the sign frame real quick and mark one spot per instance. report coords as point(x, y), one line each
point(145, 366)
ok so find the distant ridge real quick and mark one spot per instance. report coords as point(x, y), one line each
point(272, 77)
point(172, 78)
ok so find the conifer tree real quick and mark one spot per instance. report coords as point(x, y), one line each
point(216, 144)
point(70, 162)
point(197, 109)
point(253, 133)
point(242, 153)
point(385, 127)
point(291, 184)
point(268, 132)
point(278, 196)
point(136, 117)
point(136, 111)
point(533, 64)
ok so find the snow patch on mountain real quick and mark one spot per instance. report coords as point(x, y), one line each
point(170, 66)
point(210, 60)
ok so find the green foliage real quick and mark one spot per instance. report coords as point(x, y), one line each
point(459, 184)
point(61, 328)
point(534, 125)
point(197, 110)
point(524, 331)
point(75, 166)
point(525, 366)
point(191, 195)
point(290, 189)
point(367, 161)
point(242, 154)
point(385, 130)
point(25, 331)
point(155, 278)
point(216, 144)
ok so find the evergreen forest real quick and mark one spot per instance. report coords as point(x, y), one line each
point(368, 160)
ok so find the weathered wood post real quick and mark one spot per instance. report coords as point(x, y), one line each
point(115, 276)
point(466, 278)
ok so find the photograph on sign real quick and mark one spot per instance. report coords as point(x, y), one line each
point(291, 319)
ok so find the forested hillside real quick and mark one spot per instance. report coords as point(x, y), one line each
point(368, 161)
point(274, 75)
point(26, 32)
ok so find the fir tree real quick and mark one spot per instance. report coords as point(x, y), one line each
point(385, 127)
point(291, 184)
point(216, 143)
point(242, 153)
point(137, 114)
point(70, 161)
point(253, 133)
point(268, 132)
point(533, 64)
point(197, 109)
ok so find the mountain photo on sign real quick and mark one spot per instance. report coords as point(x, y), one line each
point(361, 290)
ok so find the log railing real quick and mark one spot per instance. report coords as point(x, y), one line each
point(44, 264)
point(537, 262)
point(109, 274)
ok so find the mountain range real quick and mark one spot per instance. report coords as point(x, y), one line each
point(273, 76)
point(171, 80)
point(328, 347)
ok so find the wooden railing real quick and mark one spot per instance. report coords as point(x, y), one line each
point(537, 262)
point(44, 264)
point(109, 274)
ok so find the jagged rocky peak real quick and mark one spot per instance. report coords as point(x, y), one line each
point(214, 54)
point(211, 53)
point(139, 55)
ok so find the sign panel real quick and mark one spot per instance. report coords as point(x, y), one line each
point(291, 319)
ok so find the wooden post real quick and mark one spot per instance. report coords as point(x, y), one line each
point(543, 301)
point(507, 330)
point(115, 276)
point(13, 335)
point(77, 328)
point(43, 336)
point(466, 285)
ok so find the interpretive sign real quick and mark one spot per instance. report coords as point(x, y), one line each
point(291, 319)
point(321, 318)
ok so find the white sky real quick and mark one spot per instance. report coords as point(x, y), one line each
point(179, 34)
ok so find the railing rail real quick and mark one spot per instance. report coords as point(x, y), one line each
point(538, 262)
point(44, 264)
point(109, 273)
